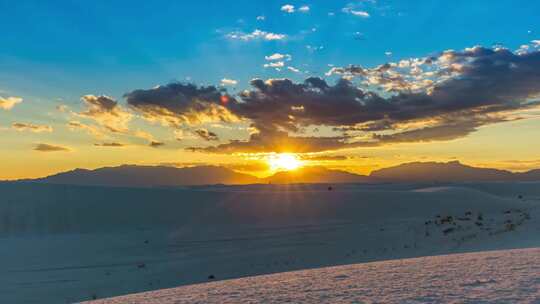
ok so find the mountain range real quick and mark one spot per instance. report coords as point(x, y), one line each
point(150, 176)
point(161, 176)
point(449, 172)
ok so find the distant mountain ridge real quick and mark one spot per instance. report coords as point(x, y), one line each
point(150, 176)
point(449, 172)
point(161, 176)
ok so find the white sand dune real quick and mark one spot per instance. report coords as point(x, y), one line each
point(510, 276)
point(63, 244)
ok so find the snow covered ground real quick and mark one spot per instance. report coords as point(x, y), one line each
point(63, 244)
point(510, 276)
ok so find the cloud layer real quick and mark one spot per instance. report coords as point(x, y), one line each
point(435, 98)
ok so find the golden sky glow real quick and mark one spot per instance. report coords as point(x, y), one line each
point(505, 146)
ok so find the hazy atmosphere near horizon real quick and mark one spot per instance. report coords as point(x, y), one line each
point(250, 151)
point(349, 85)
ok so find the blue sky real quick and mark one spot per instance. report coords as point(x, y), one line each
point(62, 49)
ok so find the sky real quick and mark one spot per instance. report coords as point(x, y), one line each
point(351, 85)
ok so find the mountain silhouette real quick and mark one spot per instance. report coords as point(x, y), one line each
point(161, 176)
point(533, 175)
point(150, 176)
point(448, 172)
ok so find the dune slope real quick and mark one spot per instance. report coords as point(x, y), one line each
point(509, 276)
point(62, 244)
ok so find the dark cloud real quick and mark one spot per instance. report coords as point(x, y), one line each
point(50, 148)
point(99, 104)
point(489, 81)
point(434, 98)
point(484, 80)
point(156, 144)
point(206, 135)
point(178, 103)
point(110, 144)
point(282, 104)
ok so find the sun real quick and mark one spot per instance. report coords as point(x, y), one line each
point(284, 161)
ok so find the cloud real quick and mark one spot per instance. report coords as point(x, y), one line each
point(156, 144)
point(206, 135)
point(256, 35)
point(228, 82)
point(324, 157)
point(279, 106)
point(446, 131)
point(50, 148)
point(261, 18)
point(479, 86)
point(19, 126)
point(91, 130)
point(266, 143)
point(178, 104)
point(358, 13)
point(288, 8)
point(107, 112)
point(7, 103)
point(436, 98)
point(304, 9)
point(451, 70)
point(281, 142)
point(110, 145)
point(275, 64)
point(278, 56)
point(284, 104)
point(293, 69)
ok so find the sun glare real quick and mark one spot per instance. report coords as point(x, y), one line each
point(284, 161)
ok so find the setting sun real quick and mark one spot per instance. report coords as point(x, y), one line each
point(284, 161)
